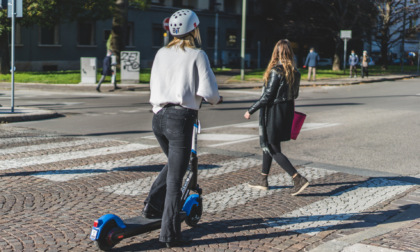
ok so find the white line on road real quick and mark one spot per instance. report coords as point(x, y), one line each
point(49, 146)
point(37, 160)
point(102, 167)
point(321, 215)
point(241, 194)
point(143, 185)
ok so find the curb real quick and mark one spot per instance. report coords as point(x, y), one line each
point(22, 114)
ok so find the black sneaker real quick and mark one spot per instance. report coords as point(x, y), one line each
point(98, 89)
point(260, 182)
point(150, 213)
point(300, 184)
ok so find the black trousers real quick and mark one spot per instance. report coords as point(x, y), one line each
point(280, 158)
point(173, 128)
point(365, 72)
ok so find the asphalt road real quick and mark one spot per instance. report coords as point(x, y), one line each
point(372, 127)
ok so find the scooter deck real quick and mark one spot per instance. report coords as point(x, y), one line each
point(139, 225)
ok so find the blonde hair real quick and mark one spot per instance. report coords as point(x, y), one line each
point(282, 53)
point(191, 40)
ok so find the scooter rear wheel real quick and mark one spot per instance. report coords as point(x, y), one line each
point(104, 241)
point(195, 214)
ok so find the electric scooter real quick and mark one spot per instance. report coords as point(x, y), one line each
point(110, 229)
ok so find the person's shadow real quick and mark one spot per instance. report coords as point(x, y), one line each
point(246, 229)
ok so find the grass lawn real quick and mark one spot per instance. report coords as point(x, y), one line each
point(73, 76)
point(327, 73)
point(63, 77)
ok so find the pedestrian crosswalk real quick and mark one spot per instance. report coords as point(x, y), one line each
point(326, 212)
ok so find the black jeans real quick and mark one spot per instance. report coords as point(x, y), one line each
point(280, 158)
point(365, 72)
point(173, 128)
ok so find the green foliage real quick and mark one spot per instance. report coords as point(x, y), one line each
point(63, 77)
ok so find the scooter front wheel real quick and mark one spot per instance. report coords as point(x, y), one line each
point(104, 241)
point(195, 214)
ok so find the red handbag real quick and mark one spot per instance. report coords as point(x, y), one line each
point(298, 120)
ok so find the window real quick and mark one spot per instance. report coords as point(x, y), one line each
point(231, 38)
point(49, 35)
point(249, 37)
point(129, 36)
point(210, 36)
point(177, 3)
point(86, 34)
point(157, 35)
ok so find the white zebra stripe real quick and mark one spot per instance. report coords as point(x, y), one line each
point(102, 167)
point(49, 146)
point(37, 160)
point(241, 194)
point(141, 186)
point(321, 215)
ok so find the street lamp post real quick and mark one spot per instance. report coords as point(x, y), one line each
point(243, 40)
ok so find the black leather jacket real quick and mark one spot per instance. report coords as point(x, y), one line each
point(277, 89)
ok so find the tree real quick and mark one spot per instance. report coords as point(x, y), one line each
point(311, 21)
point(119, 23)
point(51, 12)
point(336, 15)
point(390, 29)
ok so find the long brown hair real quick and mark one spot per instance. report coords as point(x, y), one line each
point(282, 53)
point(192, 40)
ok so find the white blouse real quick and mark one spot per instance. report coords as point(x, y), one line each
point(182, 77)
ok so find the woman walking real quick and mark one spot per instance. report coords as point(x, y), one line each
point(276, 105)
point(180, 78)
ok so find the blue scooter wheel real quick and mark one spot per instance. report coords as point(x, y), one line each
point(195, 214)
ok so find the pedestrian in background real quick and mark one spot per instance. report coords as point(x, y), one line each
point(365, 64)
point(276, 105)
point(181, 78)
point(311, 62)
point(353, 61)
point(108, 71)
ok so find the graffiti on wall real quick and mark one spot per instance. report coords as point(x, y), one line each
point(130, 61)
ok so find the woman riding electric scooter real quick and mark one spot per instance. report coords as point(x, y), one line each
point(181, 77)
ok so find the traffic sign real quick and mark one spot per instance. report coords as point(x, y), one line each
point(166, 24)
point(18, 8)
point(345, 34)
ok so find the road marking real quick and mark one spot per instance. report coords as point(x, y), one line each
point(49, 146)
point(102, 167)
point(37, 160)
point(28, 139)
point(321, 215)
point(312, 126)
point(241, 194)
point(367, 248)
point(223, 137)
point(141, 186)
point(235, 142)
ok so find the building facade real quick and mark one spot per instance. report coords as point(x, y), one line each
point(60, 47)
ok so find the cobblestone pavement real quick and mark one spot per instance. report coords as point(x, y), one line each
point(53, 187)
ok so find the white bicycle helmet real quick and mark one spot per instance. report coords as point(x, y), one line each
point(182, 22)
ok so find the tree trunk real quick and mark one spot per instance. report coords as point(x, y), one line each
point(384, 54)
point(4, 54)
point(119, 24)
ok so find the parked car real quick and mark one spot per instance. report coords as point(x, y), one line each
point(325, 62)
